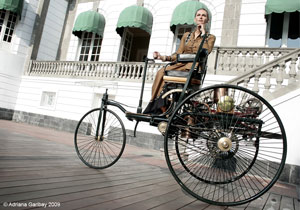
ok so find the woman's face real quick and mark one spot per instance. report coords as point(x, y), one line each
point(201, 17)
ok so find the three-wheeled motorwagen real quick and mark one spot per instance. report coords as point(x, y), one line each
point(223, 144)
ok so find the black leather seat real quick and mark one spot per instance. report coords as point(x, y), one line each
point(176, 73)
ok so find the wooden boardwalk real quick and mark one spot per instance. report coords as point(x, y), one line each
point(39, 166)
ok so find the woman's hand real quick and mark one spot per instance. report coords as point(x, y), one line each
point(156, 55)
point(202, 28)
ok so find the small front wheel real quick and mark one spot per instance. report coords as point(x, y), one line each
point(100, 148)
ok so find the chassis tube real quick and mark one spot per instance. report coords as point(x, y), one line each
point(103, 105)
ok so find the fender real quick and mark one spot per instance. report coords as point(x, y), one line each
point(172, 91)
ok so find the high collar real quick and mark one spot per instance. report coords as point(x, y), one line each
point(200, 35)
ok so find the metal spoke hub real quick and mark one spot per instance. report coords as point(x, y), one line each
point(224, 144)
point(222, 147)
point(99, 138)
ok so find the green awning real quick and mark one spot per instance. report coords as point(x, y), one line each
point(15, 6)
point(89, 21)
point(184, 14)
point(280, 6)
point(136, 17)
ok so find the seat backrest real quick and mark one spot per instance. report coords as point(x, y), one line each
point(198, 74)
point(184, 58)
point(188, 58)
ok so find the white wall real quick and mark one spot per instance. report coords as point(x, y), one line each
point(74, 97)
point(24, 27)
point(252, 28)
point(217, 10)
point(70, 99)
point(12, 60)
point(11, 68)
point(288, 110)
point(52, 30)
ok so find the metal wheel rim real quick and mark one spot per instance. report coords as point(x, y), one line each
point(266, 188)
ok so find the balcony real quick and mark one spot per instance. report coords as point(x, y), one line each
point(261, 69)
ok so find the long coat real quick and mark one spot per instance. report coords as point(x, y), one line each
point(190, 47)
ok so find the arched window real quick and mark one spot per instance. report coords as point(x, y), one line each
point(89, 28)
point(135, 27)
point(90, 47)
point(7, 25)
point(9, 11)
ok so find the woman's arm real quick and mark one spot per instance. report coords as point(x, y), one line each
point(210, 42)
point(180, 50)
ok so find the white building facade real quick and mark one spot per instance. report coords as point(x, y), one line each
point(54, 68)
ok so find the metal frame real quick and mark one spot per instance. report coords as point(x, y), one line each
point(154, 119)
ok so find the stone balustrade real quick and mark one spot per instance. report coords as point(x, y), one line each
point(272, 76)
point(236, 61)
point(131, 71)
point(222, 61)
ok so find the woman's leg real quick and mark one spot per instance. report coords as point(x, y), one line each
point(158, 83)
point(155, 104)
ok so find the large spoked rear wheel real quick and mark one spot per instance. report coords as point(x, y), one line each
point(225, 145)
point(100, 149)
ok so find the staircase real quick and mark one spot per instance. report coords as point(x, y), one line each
point(275, 78)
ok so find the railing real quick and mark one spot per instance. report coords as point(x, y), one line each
point(272, 76)
point(93, 70)
point(222, 61)
point(236, 61)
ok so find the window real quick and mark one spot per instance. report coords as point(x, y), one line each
point(7, 25)
point(2, 17)
point(134, 45)
point(127, 43)
point(180, 30)
point(294, 30)
point(90, 47)
point(48, 99)
point(283, 30)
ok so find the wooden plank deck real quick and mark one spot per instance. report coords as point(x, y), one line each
point(39, 165)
